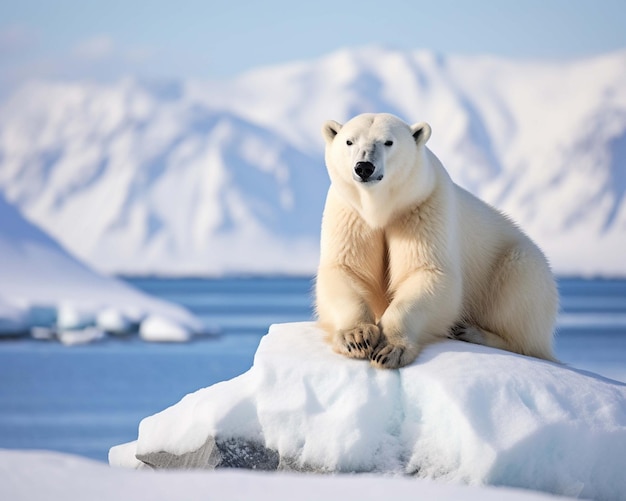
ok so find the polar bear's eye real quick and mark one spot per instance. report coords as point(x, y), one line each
point(388, 143)
point(349, 143)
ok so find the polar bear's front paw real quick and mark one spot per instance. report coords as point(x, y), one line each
point(357, 342)
point(390, 356)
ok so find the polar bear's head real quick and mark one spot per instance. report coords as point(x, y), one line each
point(377, 161)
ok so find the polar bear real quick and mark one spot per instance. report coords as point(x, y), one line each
point(408, 257)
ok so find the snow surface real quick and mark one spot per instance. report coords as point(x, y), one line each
point(42, 286)
point(461, 413)
point(36, 475)
point(218, 177)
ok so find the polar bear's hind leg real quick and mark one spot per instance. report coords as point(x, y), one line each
point(519, 312)
point(476, 335)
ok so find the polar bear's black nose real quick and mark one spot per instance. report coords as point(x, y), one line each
point(364, 170)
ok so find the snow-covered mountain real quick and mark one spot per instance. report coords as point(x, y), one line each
point(140, 180)
point(213, 177)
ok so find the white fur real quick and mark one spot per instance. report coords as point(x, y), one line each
point(410, 257)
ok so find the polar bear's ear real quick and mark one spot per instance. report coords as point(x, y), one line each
point(330, 129)
point(421, 132)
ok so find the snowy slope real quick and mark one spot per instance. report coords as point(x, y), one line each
point(461, 413)
point(215, 177)
point(39, 278)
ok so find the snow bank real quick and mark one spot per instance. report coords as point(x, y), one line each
point(49, 475)
point(41, 285)
point(462, 413)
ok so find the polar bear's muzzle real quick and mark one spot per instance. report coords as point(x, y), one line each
point(364, 172)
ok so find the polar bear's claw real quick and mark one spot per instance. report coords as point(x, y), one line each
point(388, 356)
point(357, 342)
point(393, 356)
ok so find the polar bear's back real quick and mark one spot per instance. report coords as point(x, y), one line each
point(485, 233)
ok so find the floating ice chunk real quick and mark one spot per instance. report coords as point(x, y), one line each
point(13, 319)
point(114, 321)
point(70, 317)
point(158, 329)
point(41, 315)
point(43, 333)
point(81, 336)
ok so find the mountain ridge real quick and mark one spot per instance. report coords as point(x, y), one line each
point(188, 177)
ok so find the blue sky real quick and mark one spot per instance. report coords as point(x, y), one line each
point(220, 38)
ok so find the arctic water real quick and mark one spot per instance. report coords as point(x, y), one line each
point(84, 399)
